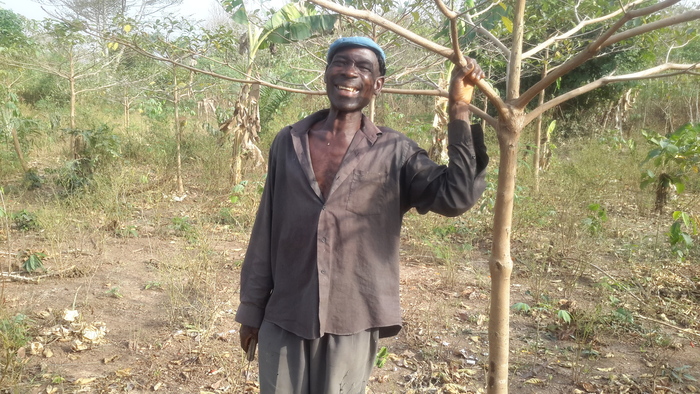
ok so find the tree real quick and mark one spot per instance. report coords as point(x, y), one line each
point(100, 13)
point(604, 33)
point(290, 24)
point(67, 54)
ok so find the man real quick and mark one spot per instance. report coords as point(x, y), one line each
point(320, 280)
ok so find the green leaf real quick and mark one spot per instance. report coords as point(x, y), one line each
point(680, 186)
point(564, 315)
point(521, 307)
point(687, 239)
point(240, 16)
point(686, 219)
point(507, 23)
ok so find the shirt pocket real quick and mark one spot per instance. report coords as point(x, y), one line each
point(367, 192)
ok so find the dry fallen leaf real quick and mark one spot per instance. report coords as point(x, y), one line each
point(122, 373)
point(70, 315)
point(84, 381)
point(605, 369)
point(534, 381)
point(108, 360)
point(36, 348)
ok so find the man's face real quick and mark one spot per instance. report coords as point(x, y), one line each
point(352, 78)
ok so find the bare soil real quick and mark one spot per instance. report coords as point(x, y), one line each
point(169, 325)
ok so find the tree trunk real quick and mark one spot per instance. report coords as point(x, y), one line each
point(18, 149)
point(500, 263)
point(538, 132)
point(438, 148)
point(178, 133)
point(77, 143)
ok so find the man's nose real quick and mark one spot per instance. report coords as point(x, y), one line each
point(350, 68)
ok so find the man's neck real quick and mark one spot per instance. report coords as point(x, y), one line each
point(338, 122)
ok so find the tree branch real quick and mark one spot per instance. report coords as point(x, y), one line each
point(515, 61)
point(494, 40)
point(591, 50)
point(409, 35)
point(674, 20)
point(544, 44)
point(654, 72)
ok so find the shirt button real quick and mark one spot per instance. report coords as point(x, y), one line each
point(323, 240)
point(323, 272)
point(323, 208)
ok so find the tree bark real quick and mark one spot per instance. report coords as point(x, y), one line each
point(500, 263)
point(538, 132)
point(18, 149)
point(178, 133)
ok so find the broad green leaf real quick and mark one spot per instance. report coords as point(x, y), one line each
point(564, 315)
point(687, 239)
point(240, 16)
point(686, 218)
point(680, 186)
point(677, 214)
point(507, 23)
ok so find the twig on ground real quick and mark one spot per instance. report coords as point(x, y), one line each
point(16, 277)
point(611, 277)
point(683, 330)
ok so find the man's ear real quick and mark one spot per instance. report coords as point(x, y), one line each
point(378, 85)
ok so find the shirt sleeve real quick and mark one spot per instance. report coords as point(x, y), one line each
point(256, 273)
point(448, 190)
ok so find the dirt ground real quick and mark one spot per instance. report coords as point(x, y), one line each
point(146, 320)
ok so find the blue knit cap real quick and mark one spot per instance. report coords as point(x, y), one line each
point(363, 42)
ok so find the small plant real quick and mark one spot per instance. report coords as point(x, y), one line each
point(595, 219)
point(114, 292)
point(681, 232)
point(673, 157)
point(237, 191)
point(678, 374)
point(14, 334)
point(382, 356)
point(25, 220)
point(33, 261)
point(153, 285)
point(521, 307)
point(183, 227)
point(129, 231)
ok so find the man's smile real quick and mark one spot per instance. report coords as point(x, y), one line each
point(347, 88)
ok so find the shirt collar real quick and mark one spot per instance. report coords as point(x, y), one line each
point(368, 128)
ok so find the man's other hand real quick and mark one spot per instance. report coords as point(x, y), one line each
point(248, 333)
point(463, 81)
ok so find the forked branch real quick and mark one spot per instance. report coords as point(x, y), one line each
point(605, 39)
point(576, 29)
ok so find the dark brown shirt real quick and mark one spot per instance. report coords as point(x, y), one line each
point(316, 266)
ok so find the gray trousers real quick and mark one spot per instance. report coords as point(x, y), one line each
point(332, 364)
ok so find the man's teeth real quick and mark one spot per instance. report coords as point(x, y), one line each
point(347, 88)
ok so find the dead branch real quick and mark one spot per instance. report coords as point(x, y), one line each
point(16, 277)
point(683, 330)
point(611, 277)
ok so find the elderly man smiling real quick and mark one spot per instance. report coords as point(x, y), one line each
point(320, 280)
